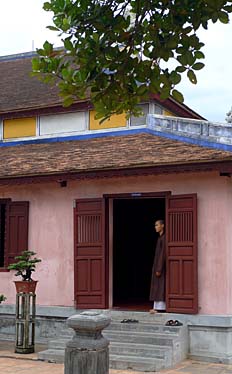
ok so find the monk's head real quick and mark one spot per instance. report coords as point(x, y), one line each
point(159, 226)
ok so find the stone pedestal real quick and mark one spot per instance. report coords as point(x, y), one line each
point(25, 322)
point(87, 352)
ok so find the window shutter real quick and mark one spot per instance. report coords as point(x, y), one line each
point(16, 238)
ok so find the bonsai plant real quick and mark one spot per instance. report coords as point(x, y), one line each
point(24, 267)
point(2, 298)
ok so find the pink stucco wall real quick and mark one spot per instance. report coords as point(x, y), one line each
point(51, 232)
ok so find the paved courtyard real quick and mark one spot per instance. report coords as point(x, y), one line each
point(12, 363)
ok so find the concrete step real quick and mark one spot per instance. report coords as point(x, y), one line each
point(136, 363)
point(123, 336)
point(52, 355)
point(67, 333)
point(58, 343)
point(117, 361)
point(142, 346)
point(144, 327)
point(139, 327)
point(121, 348)
point(144, 350)
point(7, 337)
point(142, 338)
point(119, 315)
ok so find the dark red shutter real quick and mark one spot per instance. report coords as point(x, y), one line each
point(89, 240)
point(181, 287)
point(16, 229)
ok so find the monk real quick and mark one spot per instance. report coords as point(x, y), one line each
point(157, 291)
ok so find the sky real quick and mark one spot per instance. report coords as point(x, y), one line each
point(23, 29)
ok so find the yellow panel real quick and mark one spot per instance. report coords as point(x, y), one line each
point(19, 128)
point(114, 121)
point(167, 113)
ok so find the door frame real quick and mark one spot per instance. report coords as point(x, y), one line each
point(109, 198)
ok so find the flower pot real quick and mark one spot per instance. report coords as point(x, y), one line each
point(25, 286)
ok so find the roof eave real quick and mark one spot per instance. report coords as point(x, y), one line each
point(222, 166)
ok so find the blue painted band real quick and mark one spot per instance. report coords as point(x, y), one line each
point(185, 139)
point(70, 138)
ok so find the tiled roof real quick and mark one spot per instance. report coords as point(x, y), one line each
point(103, 153)
point(20, 92)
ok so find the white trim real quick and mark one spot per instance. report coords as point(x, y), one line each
point(1, 129)
point(66, 134)
point(37, 126)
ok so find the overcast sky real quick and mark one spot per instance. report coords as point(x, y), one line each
point(23, 27)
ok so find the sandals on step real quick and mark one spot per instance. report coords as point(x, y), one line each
point(129, 321)
point(172, 322)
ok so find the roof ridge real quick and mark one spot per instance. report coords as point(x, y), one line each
point(18, 56)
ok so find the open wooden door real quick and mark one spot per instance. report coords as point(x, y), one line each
point(181, 286)
point(89, 252)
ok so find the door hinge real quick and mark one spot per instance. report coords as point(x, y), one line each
point(74, 204)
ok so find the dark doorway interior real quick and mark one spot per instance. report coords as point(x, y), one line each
point(134, 242)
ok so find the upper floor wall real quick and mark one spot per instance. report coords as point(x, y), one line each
point(65, 124)
point(77, 123)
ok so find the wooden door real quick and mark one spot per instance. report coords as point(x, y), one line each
point(181, 285)
point(89, 252)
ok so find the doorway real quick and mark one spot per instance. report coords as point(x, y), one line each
point(97, 242)
point(134, 241)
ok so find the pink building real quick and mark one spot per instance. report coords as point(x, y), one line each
point(85, 197)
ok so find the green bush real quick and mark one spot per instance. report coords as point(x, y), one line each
point(25, 265)
point(2, 298)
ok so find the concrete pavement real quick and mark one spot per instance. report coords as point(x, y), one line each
point(12, 363)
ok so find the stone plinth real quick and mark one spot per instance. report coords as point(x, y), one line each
point(25, 322)
point(87, 352)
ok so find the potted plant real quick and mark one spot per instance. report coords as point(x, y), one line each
point(2, 298)
point(24, 267)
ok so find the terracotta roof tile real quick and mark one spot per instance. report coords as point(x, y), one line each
point(19, 90)
point(105, 153)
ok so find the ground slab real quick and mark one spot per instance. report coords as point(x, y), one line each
point(14, 363)
point(24, 366)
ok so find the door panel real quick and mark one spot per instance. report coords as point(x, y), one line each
point(181, 286)
point(89, 252)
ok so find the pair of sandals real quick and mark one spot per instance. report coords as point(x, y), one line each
point(129, 321)
point(172, 322)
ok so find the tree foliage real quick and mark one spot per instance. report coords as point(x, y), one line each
point(117, 52)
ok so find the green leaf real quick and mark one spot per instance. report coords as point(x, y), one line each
point(68, 101)
point(175, 77)
point(47, 6)
point(164, 93)
point(198, 66)
point(35, 64)
point(187, 30)
point(142, 90)
point(191, 76)
point(178, 96)
point(180, 69)
point(68, 44)
point(199, 54)
point(53, 28)
point(48, 48)
point(223, 17)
